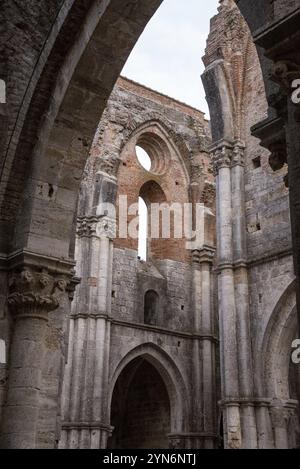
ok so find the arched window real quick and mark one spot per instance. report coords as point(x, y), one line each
point(143, 158)
point(151, 308)
point(143, 229)
point(150, 234)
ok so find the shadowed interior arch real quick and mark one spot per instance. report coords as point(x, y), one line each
point(140, 410)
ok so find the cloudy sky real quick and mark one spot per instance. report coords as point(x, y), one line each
point(168, 55)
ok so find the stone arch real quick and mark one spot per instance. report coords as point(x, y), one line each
point(277, 345)
point(62, 118)
point(159, 129)
point(71, 107)
point(171, 377)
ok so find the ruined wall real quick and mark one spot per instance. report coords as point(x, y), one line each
point(134, 116)
point(115, 281)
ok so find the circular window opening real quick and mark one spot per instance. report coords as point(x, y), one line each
point(143, 158)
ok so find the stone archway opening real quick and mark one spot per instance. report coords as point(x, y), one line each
point(140, 409)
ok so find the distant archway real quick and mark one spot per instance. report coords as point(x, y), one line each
point(171, 377)
point(140, 409)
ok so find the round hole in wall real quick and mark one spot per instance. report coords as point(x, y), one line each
point(143, 158)
point(152, 153)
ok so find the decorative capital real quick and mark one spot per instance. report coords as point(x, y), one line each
point(34, 292)
point(278, 157)
point(238, 154)
point(227, 155)
point(87, 226)
point(107, 228)
point(281, 416)
point(175, 443)
point(99, 227)
point(204, 256)
point(284, 73)
point(221, 158)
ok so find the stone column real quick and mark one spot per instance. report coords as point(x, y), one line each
point(236, 354)
point(204, 349)
point(222, 157)
point(35, 290)
point(244, 352)
point(85, 415)
point(264, 424)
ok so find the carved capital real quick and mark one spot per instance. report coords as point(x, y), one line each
point(107, 228)
point(281, 414)
point(176, 443)
point(99, 227)
point(221, 158)
point(75, 281)
point(87, 226)
point(283, 73)
point(278, 157)
point(34, 292)
point(205, 255)
point(238, 155)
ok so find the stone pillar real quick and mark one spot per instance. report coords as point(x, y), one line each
point(227, 306)
point(236, 353)
point(85, 408)
point(244, 352)
point(36, 287)
point(264, 425)
point(204, 350)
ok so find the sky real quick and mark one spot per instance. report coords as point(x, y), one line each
point(168, 55)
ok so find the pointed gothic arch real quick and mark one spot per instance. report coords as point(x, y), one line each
point(171, 376)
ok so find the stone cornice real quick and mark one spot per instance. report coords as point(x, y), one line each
point(23, 257)
point(87, 426)
point(286, 406)
point(146, 327)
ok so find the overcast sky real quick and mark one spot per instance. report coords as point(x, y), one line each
point(168, 56)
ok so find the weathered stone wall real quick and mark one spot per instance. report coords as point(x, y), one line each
point(132, 278)
point(254, 242)
point(115, 281)
point(266, 196)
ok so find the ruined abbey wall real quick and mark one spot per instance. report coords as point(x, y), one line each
point(180, 335)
